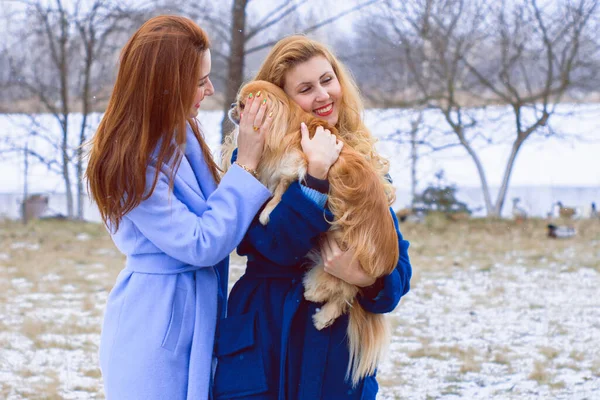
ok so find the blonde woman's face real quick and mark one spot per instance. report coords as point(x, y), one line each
point(315, 87)
point(204, 85)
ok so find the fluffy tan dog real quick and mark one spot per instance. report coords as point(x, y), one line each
point(362, 222)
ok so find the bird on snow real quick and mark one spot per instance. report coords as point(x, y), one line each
point(560, 232)
point(518, 212)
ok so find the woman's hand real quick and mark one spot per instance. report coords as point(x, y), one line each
point(254, 125)
point(321, 151)
point(339, 263)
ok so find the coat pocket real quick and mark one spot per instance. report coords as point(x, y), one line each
point(177, 311)
point(240, 367)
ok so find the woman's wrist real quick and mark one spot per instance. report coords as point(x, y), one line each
point(317, 170)
point(371, 291)
point(247, 161)
point(320, 185)
point(249, 169)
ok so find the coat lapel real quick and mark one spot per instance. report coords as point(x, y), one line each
point(195, 158)
point(186, 173)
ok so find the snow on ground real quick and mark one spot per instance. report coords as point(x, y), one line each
point(517, 324)
point(513, 331)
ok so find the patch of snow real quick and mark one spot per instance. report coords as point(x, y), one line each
point(21, 283)
point(25, 246)
point(83, 237)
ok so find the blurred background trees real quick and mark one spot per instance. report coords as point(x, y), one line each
point(467, 61)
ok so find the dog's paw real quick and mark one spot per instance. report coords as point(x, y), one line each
point(310, 294)
point(321, 320)
point(315, 294)
point(264, 217)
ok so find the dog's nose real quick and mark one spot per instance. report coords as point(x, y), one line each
point(233, 105)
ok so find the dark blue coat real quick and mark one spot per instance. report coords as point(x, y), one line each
point(267, 347)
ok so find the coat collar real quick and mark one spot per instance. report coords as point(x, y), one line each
point(192, 168)
point(200, 177)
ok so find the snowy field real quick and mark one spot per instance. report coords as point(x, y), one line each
point(496, 311)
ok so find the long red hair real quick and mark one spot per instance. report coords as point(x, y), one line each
point(147, 115)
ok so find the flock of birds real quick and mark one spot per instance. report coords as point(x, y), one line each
point(558, 213)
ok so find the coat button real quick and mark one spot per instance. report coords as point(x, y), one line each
point(242, 357)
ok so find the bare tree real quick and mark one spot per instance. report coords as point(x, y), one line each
point(539, 59)
point(64, 72)
point(249, 36)
point(97, 27)
point(459, 57)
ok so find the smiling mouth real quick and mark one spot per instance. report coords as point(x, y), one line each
point(324, 111)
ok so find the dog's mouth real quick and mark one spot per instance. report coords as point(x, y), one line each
point(234, 112)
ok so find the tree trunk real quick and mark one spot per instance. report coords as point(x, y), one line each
point(484, 185)
point(235, 76)
point(506, 179)
point(65, 110)
point(65, 166)
point(414, 156)
point(25, 182)
point(79, 165)
point(85, 110)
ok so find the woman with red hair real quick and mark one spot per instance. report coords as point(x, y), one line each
point(161, 195)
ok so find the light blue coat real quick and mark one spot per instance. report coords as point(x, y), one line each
point(160, 319)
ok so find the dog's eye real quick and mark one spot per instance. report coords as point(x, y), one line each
point(233, 105)
point(242, 105)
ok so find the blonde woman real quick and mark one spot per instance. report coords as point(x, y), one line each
point(267, 347)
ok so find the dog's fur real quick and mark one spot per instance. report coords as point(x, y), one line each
point(362, 223)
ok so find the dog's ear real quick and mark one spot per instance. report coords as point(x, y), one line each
point(279, 106)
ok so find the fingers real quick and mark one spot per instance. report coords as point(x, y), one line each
point(324, 255)
point(254, 118)
point(254, 106)
point(320, 131)
point(324, 135)
point(266, 126)
point(326, 250)
point(336, 252)
point(262, 108)
point(304, 131)
point(339, 145)
point(247, 117)
point(251, 108)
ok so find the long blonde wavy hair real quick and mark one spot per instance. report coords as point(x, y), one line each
point(296, 49)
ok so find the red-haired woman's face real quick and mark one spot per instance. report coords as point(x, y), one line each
point(205, 86)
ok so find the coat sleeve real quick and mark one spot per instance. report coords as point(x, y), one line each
point(294, 227)
point(395, 285)
point(200, 240)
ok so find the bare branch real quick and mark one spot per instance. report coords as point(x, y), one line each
point(274, 18)
point(314, 27)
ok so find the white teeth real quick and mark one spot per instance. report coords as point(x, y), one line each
point(324, 110)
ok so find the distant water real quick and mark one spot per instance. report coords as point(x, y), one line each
point(537, 200)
